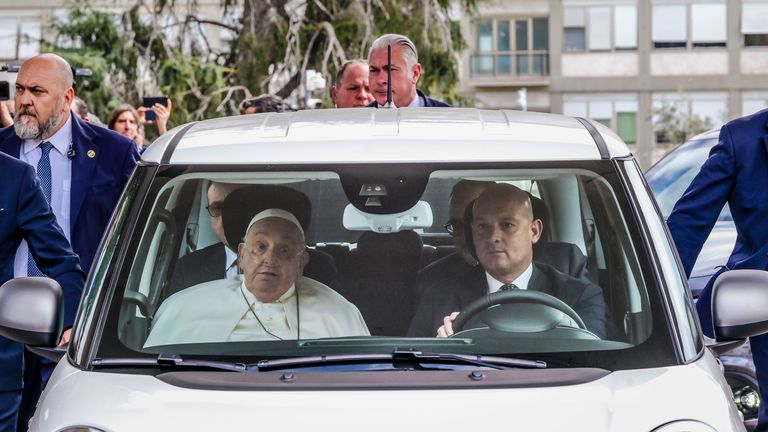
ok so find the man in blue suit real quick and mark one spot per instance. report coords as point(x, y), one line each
point(87, 165)
point(406, 71)
point(736, 173)
point(25, 214)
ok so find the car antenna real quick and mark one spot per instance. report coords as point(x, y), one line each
point(389, 103)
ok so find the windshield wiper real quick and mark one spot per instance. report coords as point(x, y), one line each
point(402, 356)
point(173, 360)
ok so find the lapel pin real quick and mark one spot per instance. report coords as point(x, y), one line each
point(91, 154)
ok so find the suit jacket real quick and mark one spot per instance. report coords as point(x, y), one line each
point(442, 296)
point(209, 263)
point(101, 166)
point(428, 102)
point(209, 312)
point(26, 215)
point(736, 173)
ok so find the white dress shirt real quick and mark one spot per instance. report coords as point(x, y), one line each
point(521, 282)
point(61, 184)
point(230, 262)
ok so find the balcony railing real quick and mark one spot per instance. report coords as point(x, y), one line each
point(510, 64)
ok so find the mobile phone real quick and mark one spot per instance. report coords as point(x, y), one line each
point(149, 102)
point(5, 90)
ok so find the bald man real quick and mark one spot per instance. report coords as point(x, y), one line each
point(503, 232)
point(84, 167)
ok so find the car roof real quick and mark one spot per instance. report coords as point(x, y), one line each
point(386, 135)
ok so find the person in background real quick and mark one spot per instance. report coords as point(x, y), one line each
point(125, 120)
point(80, 109)
point(264, 103)
point(6, 119)
point(85, 167)
point(350, 87)
point(406, 71)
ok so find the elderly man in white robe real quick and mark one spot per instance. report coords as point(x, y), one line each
point(270, 300)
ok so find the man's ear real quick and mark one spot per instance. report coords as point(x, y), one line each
point(333, 94)
point(240, 252)
point(69, 96)
point(536, 230)
point(416, 72)
point(303, 260)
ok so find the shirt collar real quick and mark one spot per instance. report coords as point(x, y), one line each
point(60, 140)
point(417, 102)
point(231, 257)
point(253, 300)
point(521, 281)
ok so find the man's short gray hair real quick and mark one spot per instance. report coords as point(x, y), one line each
point(410, 55)
point(343, 68)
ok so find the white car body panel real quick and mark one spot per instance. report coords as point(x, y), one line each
point(633, 400)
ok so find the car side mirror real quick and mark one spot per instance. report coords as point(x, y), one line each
point(740, 304)
point(31, 311)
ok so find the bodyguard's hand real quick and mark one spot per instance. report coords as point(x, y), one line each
point(65, 336)
point(447, 328)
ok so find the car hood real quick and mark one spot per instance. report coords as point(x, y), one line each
point(635, 400)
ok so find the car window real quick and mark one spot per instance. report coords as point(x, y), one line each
point(375, 250)
point(672, 175)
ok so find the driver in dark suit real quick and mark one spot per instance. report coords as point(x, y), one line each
point(503, 232)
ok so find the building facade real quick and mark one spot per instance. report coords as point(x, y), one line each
point(621, 62)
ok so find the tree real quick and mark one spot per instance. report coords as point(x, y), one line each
point(162, 47)
point(675, 125)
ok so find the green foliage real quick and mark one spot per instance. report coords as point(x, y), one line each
point(151, 48)
point(674, 125)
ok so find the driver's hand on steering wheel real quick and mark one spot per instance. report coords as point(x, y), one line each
point(446, 329)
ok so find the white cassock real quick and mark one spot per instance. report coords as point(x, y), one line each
point(217, 311)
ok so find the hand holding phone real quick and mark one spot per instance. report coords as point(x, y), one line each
point(149, 102)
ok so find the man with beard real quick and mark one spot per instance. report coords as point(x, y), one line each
point(82, 168)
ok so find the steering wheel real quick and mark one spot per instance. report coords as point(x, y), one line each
point(524, 311)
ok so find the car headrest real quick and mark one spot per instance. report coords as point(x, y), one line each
point(242, 204)
point(419, 216)
point(400, 244)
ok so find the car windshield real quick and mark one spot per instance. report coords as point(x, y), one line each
point(670, 177)
point(360, 259)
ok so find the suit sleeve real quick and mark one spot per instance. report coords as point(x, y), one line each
point(591, 308)
point(696, 212)
point(129, 163)
point(51, 250)
point(422, 319)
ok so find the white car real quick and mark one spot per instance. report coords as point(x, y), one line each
point(147, 352)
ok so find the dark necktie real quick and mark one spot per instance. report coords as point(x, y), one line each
point(44, 175)
point(508, 287)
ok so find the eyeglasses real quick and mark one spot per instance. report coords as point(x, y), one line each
point(214, 209)
point(453, 226)
point(283, 252)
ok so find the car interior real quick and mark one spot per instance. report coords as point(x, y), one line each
point(372, 230)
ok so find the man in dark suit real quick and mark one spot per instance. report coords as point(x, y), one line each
point(86, 166)
point(736, 173)
point(25, 214)
point(502, 233)
point(406, 71)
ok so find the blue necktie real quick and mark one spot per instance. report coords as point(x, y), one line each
point(44, 175)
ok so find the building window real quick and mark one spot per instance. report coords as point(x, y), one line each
point(689, 25)
point(599, 28)
point(511, 47)
point(753, 101)
point(754, 24)
point(19, 38)
point(679, 116)
point(616, 111)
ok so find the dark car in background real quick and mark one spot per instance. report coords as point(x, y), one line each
point(668, 179)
